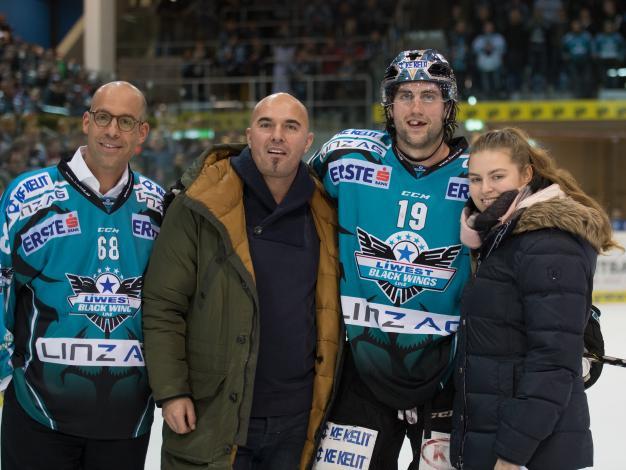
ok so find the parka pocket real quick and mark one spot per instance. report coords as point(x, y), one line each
point(205, 385)
point(206, 357)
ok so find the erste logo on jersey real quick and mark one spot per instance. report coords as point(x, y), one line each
point(59, 225)
point(457, 189)
point(143, 227)
point(350, 170)
point(403, 265)
point(106, 298)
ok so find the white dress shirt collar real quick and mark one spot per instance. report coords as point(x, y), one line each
point(83, 173)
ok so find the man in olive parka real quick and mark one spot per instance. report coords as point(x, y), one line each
point(242, 320)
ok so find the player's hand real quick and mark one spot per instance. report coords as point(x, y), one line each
point(179, 414)
point(504, 465)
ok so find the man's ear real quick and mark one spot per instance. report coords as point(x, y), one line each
point(144, 130)
point(309, 141)
point(86, 117)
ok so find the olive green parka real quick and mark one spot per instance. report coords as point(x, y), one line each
point(201, 315)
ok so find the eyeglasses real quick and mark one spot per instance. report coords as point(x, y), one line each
point(125, 123)
point(425, 97)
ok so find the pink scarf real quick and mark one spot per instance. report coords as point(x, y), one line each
point(471, 238)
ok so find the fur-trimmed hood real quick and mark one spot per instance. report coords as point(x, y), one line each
point(563, 214)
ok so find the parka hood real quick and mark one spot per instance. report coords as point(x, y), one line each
point(210, 156)
point(563, 214)
point(206, 169)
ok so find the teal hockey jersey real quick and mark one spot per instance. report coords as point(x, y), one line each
point(72, 269)
point(403, 265)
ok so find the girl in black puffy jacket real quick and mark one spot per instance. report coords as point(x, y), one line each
point(520, 398)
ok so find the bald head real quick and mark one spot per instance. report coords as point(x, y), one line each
point(120, 87)
point(109, 147)
point(282, 100)
point(279, 137)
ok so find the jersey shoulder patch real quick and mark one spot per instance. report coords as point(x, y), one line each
point(355, 141)
point(149, 193)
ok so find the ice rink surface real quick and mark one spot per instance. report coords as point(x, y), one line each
point(607, 400)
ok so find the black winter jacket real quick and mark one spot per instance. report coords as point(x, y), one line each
point(520, 393)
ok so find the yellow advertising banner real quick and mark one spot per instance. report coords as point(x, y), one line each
point(507, 111)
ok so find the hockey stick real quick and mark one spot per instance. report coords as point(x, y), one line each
point(612, 361)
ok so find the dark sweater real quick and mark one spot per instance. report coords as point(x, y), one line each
point(284, 247)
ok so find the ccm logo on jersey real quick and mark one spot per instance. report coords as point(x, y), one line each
point(458, 189)
point(59, 225)
point(360, 172)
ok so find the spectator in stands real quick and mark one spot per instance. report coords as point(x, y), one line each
point(317, 18)
point(521, 6)
point(586, 21)
point(8, 130)
point(552, 14)
point(332, 55)
point(196, 63)
point(7, 92)
point(14, 161)
point(54, 94)
point(577, 55)
point(549, 10)
point(538, 52)
point(54, 150)
point(256, 61)
point(77, 97)
point(157, 156)
point(608, 48)
point(516, 57)
point(6, 33)
point(376, 48)
point(482, 14)
point(460, 54)
point(371, 18)
point(610, 13)
point(170, 26)
point(257, 64)
point(489, 48)
point(303, 69)
point(283, 55)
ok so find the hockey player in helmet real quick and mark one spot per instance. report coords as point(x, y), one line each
point(400, 193)
point(419, 94)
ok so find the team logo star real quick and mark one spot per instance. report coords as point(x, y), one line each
point(405, 253)
point(107, 285)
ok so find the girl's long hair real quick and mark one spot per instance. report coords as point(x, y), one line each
point(545, 171)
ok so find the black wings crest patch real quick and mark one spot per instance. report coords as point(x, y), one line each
point(403, 266)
